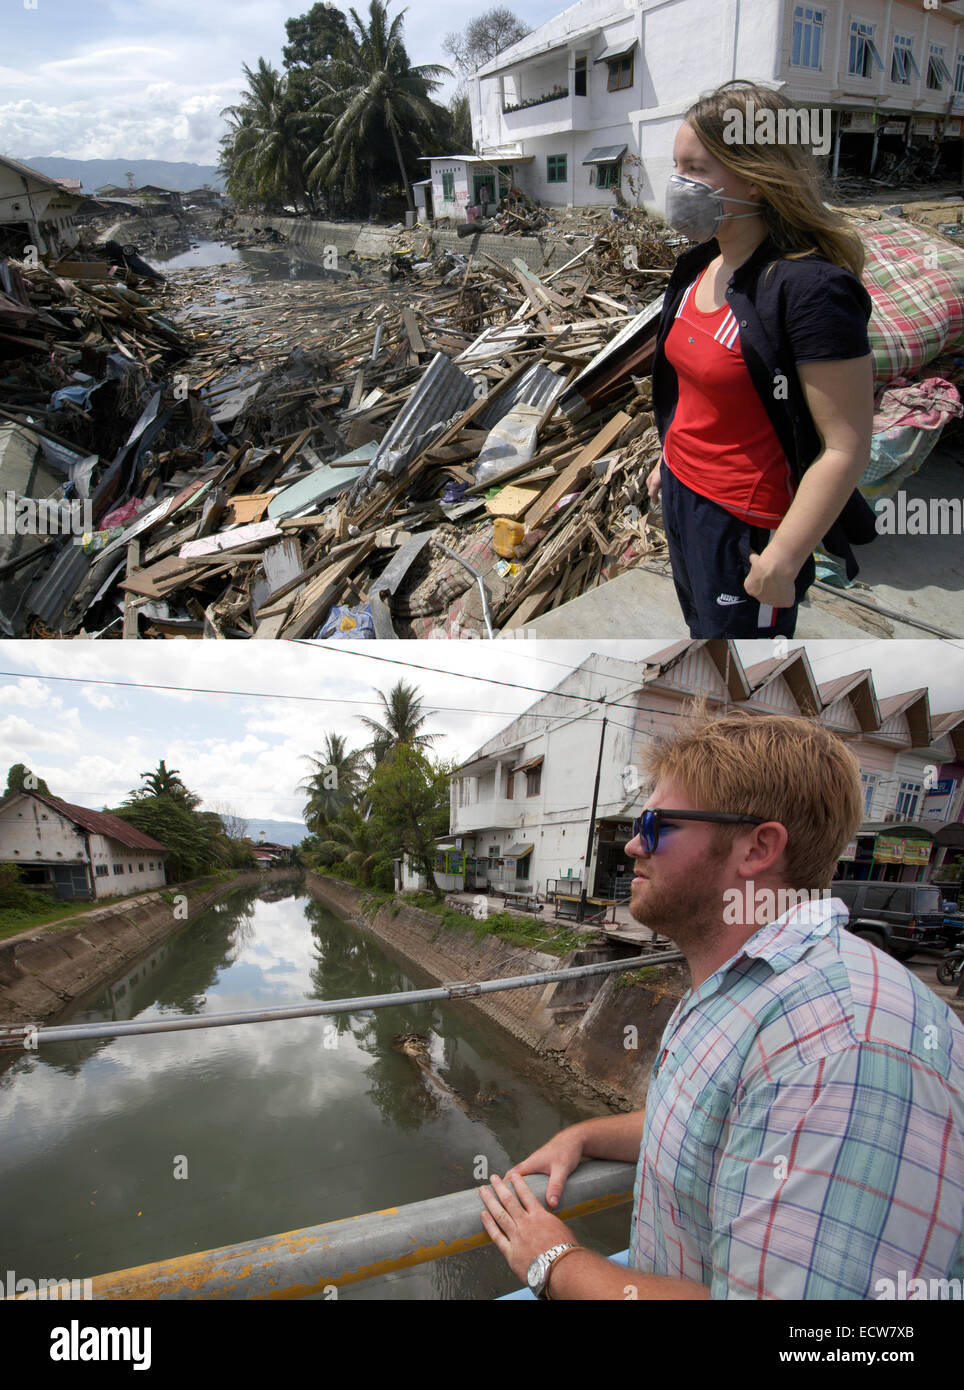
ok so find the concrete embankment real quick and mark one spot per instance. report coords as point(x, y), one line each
point(362, 239)
point(42, 972)
point(604, 1033)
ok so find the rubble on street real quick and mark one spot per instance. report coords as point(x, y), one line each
point(449, 450)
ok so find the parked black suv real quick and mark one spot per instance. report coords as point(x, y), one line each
point(897, 917)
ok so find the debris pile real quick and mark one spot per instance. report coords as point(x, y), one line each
point(452, 456)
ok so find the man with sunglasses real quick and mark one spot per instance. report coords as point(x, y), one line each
point(803, 1135)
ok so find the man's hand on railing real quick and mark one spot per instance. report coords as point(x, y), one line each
point(558, 1158)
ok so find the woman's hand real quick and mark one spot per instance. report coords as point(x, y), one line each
point(769, 582)
point(653, 483)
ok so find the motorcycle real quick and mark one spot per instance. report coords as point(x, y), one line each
point(951, 967)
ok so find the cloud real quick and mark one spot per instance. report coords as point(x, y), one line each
point(97, 696)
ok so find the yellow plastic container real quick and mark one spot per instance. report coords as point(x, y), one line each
point(507, 537)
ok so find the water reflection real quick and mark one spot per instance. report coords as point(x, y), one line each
point(282, 1124)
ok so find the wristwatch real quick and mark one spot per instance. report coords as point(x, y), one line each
point(538, 1275)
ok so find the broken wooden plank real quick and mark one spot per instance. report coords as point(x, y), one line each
point(571, 476)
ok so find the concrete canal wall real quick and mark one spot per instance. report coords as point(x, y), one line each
point(362, 239)
point(605, 1034)
point(45, 969)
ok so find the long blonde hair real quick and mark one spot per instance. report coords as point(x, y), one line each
point(787, 175)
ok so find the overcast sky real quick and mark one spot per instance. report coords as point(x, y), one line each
point(147, 79)
point(245, 751)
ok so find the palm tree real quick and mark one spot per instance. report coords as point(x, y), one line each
point(353, 841)
point(166, 781)
point(370, 84)
point(404, 716)
point(335, 784)
point(267, 143)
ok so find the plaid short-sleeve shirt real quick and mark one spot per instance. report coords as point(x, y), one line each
point(804, 1134)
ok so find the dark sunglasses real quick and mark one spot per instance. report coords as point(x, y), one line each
point(648, 825)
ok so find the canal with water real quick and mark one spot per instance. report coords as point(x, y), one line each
point(277, 1125)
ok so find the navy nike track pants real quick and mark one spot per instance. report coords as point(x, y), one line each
point(709, 551)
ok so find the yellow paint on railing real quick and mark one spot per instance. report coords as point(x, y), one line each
point(192, 1272)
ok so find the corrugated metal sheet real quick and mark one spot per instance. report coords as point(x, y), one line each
point(625, 343)
point(538, 386)
point(443, 393)
point(50, 595)
point(605, 154)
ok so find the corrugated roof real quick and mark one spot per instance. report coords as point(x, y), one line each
point(101, 823)
point(25, 170)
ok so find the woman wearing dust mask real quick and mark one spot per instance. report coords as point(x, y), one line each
point(762, 378)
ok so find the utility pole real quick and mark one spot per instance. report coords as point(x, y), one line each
point(581, 914)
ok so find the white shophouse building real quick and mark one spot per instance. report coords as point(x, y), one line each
point(83, 854)
point(559, 112)
point(520, 812)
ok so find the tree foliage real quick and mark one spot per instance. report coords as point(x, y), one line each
point(484, 38)
point(335, 785)
point(167, 810)
point(367, 92)
point(20, 778)
point(404, 718)
point(410, 805)
point(314, 37)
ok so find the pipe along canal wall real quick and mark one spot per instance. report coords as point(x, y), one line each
point(604, 1033)
point(43, 970)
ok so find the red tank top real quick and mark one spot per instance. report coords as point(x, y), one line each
point(721, 442)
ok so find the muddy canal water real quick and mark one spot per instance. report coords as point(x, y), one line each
point(274, 1126)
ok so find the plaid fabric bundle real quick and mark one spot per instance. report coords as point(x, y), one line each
point(916, 281)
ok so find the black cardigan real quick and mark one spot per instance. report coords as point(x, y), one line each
point(789, 311)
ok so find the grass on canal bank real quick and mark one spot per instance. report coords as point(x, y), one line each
point(46, 912)
point(510, 927)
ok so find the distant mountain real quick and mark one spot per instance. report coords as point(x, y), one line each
point(95, 173)
point(278, 832)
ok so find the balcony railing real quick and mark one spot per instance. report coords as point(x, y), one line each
point(337, 1254)
point(556, 95)
point(488, 815)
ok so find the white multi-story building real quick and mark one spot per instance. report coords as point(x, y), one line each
point(558, 113)
point(521, 807)
point(80, 853)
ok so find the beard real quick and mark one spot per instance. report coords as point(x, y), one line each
point(688, 909)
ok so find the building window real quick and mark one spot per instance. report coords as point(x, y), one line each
point(807, 36)
point(448, 188)
point(937, 70)
point(118, 868)
point(522, 866)
point(903, 64)
point(609, 175)
point(579, 79)
point(868, 781)
point(494, 851)
point(140, 868)
point(863, 50)
point(556, 168)
point(620, 73)
point(907, 799)
point(100, 870)
point(959, 75)
point(533, 781)
point(509, 786)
